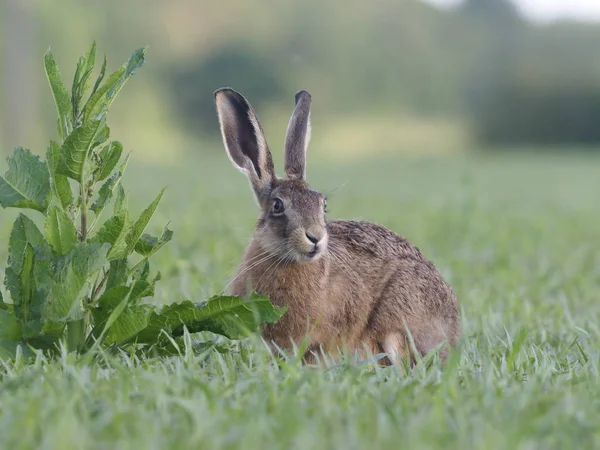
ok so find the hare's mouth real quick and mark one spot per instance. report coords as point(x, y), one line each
point(306, 247)
point(312, 255)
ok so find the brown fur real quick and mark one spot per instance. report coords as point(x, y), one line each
point(362, 291)
point(362, 287)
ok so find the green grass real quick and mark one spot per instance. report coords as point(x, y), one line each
point(516, 236)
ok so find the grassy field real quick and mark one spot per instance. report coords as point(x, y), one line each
point(517, 237)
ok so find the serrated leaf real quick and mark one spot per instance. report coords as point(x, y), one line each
point(70, 277)
point(26, 183)
point(10, 328)
point(148, 245)
point(115, 231)
point(64, 108)
point(233, 317)
point(60, 231)
point(109, 158)
point(74, 155)
point(99, 103)
point(85, 66)
point(140, 225)
point(59, 183)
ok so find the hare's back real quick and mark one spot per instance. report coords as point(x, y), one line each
point(369, 239)
point(389, 264)
point(405, 287)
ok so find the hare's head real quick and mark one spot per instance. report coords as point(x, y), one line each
point(292, 224)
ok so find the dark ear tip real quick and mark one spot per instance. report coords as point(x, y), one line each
point(302, 95)
point(224, 90)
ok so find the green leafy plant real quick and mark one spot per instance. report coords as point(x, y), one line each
point(72, 279)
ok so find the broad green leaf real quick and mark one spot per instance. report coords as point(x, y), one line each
point(60, 231)
point(10, 328)
point(64, 108)
point(117, 273)
point(26, 183)
point(24, 232)
point(233, 317)
point(128, 324)
point(109, 158)
point(85, 66)
point(140, 225)
point(119, 313)
point(107, 190)
point(71, 275)
point(99, 103)
point(59, 183)
point(74, 157)
point(115, 231)
point(148, 245)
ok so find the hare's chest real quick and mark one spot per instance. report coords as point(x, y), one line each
point(294, 289)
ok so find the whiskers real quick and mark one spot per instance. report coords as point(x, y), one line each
point(265, 256)
point(340, 258)
point(284, 259)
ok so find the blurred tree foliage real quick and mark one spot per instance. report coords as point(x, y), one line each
point(532, 85)
point(245, 69)
point(510, 80)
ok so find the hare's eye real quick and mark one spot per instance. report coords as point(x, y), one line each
point(277, 206)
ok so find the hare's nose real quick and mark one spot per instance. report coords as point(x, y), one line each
point(312, 238)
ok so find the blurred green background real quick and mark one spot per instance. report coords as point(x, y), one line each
point(401, 76)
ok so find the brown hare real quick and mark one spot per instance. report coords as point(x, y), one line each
point(348, 285)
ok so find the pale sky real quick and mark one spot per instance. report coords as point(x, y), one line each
point(551, 9)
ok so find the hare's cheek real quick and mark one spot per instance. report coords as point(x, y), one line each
point(272, 234)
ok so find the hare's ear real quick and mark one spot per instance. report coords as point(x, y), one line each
point(297, 138)
point(244, 141)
